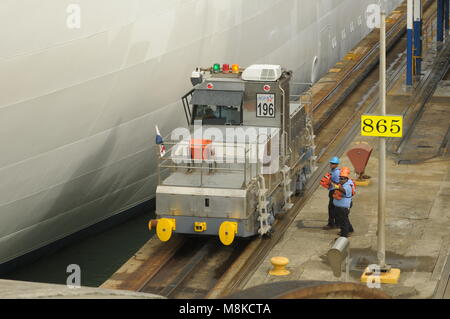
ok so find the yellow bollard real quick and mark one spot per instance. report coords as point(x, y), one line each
point(390, 277)
point(362, 182)
point(279, 266)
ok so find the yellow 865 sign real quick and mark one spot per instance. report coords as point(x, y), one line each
point(382, 126)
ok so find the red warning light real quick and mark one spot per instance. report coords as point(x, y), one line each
point(210, 86)
point(226, 68)
point(266, 88)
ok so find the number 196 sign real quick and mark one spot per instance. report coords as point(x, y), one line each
point(382, 126)
point(265, 105)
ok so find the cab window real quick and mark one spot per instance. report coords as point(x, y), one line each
point(217, 115)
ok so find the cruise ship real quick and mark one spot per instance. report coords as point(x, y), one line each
point(83, 84)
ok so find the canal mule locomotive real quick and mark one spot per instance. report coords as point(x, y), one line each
point(249, 148)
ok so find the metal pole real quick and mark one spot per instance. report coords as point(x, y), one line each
point(382, 160)
point(447, 16)
point(440, 21)
point(348, 261)
point(418, 36)
point(409, 48)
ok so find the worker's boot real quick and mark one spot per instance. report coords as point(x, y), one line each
point(329, 227)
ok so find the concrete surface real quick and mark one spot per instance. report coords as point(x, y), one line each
point(417, 230)
point(10, 289)
point(417, 223)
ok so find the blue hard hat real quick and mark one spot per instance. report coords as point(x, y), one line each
point(335, 160)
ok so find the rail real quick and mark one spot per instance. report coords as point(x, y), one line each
point(428, 87)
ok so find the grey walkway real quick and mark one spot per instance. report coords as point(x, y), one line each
point(10, 289)
point(417, 232)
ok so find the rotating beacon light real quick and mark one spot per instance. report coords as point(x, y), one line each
point(226, 68)
point(216, 68)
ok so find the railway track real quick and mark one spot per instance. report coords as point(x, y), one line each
point(443, 288)
point(418, 107)
point(326, 105)
point(194, 270)
point(199, 267)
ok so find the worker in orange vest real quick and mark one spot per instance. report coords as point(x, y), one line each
point(342, 200)
point(328, 182)
point(352, 183)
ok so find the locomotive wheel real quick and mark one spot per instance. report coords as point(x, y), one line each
point(227, 232)
point(268, 235)
point(164, 229)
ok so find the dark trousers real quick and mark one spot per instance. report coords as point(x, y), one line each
point(331, 211)
point(351, 226)
point(343, 220)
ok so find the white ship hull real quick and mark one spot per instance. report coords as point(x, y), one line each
point(78, 106)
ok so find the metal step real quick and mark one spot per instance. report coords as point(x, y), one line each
point(289, 194)
point(265, 204)
point(286, 169)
